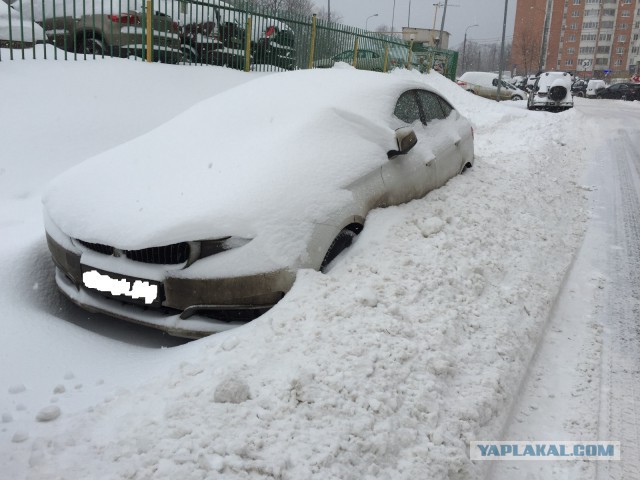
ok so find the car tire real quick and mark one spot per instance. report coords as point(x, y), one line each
point(516, 98)
point(189, 55)
point(339, 244)
point(92, 44)
point(599, 97)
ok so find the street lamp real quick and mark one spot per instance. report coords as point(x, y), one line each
point(393, 16)
point(464, 46)
point(409, 16)
point(366, 23)
point(504, 29)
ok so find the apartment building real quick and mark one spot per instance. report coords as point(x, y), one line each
point(592, 38)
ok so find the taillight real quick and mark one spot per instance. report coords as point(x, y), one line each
point(462, 84)
point(270, 31)
point(127, 19)
point(175, 26)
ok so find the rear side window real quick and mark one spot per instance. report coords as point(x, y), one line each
point(407, 108)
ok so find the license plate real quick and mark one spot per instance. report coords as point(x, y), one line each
point(134, 290)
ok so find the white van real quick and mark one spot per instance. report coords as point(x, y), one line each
point(485, 84)
point(594, 87)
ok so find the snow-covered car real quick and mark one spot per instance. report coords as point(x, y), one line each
point(594, 87)
point(552, 92)
point(171, 233)
point(485, 84)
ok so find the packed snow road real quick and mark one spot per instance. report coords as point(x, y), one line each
point(584, 382)
point(414, 344)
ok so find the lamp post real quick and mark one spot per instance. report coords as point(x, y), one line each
point(328, 11)
point(409, 16)
point(464, 46)
point(366, 23)
point(504, 30)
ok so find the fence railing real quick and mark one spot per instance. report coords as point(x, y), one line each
point(202, 33)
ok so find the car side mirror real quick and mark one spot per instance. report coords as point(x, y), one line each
point(406, 140)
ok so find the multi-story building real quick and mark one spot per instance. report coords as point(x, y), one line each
point(588, 37)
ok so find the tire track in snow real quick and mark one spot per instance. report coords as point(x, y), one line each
point(620, 416)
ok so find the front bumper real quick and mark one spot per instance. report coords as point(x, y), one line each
point(186, 307)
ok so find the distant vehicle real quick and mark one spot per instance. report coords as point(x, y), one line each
point(485, 84)
point(119, 34)
point(366, 60)
point(221, 242)
point(621, 91)
point(552, 92)
point(594, 87)
point(214, 41)
point(579, 88)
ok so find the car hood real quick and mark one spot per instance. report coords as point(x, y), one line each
point(277, 152)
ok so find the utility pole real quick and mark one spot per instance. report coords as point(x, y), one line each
point(328, 11)
point(504, 29)
point(444, 14)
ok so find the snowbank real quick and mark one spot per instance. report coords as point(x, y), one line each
point(386, 367)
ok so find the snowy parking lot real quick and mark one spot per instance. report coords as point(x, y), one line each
point(493, 308)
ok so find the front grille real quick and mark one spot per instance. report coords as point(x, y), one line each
point(165, 255)
point(98, 247)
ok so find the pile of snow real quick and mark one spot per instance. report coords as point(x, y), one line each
point(387, 366)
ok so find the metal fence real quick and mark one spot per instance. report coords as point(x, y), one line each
point(202, 33)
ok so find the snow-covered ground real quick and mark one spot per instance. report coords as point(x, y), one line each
point(417, 342)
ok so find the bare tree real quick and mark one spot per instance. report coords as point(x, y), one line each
point(526, 50)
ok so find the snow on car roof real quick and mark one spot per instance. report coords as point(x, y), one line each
point(221, 169)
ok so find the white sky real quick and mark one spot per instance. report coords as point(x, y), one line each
point(488, 14)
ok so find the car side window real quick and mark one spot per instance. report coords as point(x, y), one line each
point(430, 106)
point(407, 108)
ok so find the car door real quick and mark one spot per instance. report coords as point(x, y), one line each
point(443, 128)
point(412, 175)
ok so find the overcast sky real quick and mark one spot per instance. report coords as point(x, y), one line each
point(488, 14)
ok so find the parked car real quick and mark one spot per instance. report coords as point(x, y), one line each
point(14, 33)
point(621, 91)
point(215, 42)
point(119, 34)
point(366, 60)
point(273, 43)
point(579, 88)
point(594, 87)
point(194, 240)
point(552, 92)
point(485, 84)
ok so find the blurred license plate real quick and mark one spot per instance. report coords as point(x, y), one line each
point(139, 291)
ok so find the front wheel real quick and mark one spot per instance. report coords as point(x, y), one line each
point(516, 98)
point(339, 244)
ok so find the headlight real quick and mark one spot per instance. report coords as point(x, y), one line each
point(219, 245)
